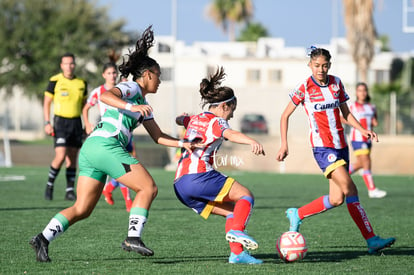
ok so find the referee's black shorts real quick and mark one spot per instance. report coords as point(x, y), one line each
point(68, 131)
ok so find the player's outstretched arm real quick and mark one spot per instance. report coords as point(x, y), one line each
point(162, 138)
point(351, 120)
point(237, 137)
point(284, 123)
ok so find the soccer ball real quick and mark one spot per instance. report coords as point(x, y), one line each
point(291, 246)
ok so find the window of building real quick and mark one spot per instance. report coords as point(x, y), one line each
point(253, 75)
point(275, 76)
point(164, 48)
point(381, 76)
point(166, 74)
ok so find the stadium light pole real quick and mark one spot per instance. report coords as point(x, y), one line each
point(173, 76)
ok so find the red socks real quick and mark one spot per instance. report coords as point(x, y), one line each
point(369, 182)
point(241, 212)
point(127, 198)
point(236, 248)
point(359, 216)
point(317, 206)
point(238, 220)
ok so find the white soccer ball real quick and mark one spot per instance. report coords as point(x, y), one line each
point(291, 246)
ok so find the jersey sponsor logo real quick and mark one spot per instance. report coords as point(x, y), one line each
point(316, 95)
point(322, 107)
point(299, 93)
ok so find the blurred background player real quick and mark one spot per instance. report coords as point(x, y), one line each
point(366, 114)
point(110, 74)
point(323, 96)
point(199, 186)
point(68, 94)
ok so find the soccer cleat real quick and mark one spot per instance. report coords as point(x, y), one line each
point(237, 236)
point(137, 245)
point(375, 244)
point(377, 193)
point(243, 258)
point(40, 246)
point(70, 196)
point(294, 220)
point(108, 197)
point(49, 193)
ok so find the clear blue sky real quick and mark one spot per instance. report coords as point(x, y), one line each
point(300, 22)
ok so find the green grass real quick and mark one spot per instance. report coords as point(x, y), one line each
point(184, 243)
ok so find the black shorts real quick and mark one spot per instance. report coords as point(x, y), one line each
point(68, 132)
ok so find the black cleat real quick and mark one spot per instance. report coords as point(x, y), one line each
point(136, 244)
point(70, 196)
point(40, 246)
point(49, 193)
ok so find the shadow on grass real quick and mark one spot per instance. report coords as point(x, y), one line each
point(59, 208)
point(311, 257)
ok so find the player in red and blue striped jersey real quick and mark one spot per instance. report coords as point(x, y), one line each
point(199, 186)
point(324, 99)
point(366, 114)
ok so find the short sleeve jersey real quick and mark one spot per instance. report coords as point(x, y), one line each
point(68, 95)
point(95, 98)
point(364, 113)
point(207, 128)
point(321, 105)
point(120, 123)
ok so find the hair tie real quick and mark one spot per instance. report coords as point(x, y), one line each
point(224, 101)
point(310, 50)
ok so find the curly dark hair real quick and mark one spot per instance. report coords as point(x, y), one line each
point(211, 91)
point(139, 61)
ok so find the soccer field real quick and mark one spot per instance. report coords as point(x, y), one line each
point(184, 243)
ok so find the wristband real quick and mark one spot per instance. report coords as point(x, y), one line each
point(180, 143)
point(128, 106)
point(47, 122)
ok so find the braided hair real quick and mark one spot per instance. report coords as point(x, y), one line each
point(315, 52)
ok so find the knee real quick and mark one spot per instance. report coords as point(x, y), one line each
point(78, 213)
point(336, 201)
point(154, 191)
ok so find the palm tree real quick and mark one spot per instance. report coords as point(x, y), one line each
point(228, 13)
point(361, 33)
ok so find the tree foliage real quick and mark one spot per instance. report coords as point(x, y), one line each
point(252, 32)
point(228, 13)
point(401, 83)
point(35, 33)
point(361, 33)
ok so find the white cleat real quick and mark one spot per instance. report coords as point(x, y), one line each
point(377, 193)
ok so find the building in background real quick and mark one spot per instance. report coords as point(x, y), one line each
point(262, 74)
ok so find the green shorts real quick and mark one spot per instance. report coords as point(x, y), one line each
point(100, 156)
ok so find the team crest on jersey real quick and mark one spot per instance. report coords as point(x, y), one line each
point(331, 157)
point(335, 90)
point(128, 93)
